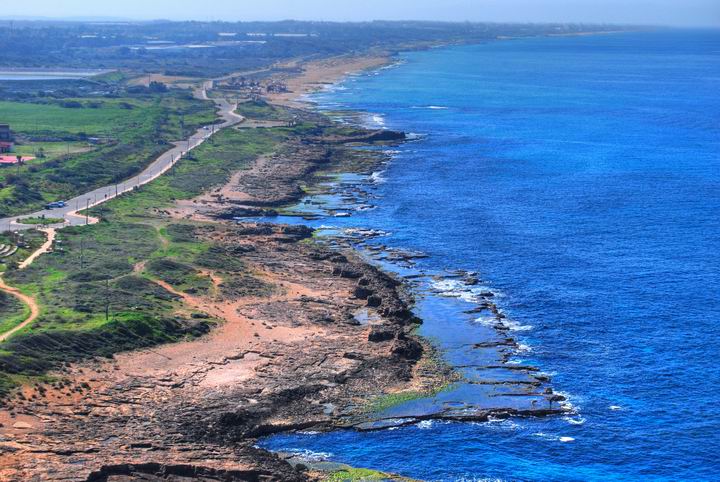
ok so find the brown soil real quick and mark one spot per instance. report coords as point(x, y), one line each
point(295, 358)
point(290, 355)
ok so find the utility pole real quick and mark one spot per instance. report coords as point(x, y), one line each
point(87, 213)
point(107, 299)
point(82, 253)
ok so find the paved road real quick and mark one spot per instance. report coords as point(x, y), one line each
point(155, 169)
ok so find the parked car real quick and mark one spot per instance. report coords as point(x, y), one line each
point(56, 205)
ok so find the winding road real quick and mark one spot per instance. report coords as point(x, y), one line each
point(159, 166)
point(69, 213)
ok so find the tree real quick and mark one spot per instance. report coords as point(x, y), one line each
point(158, 87)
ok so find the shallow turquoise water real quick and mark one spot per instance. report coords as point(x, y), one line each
point(581, 178)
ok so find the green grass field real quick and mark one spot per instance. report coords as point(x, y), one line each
point(54, 120)
point(41, 221)
point(134, 130)
point(12, 312)
point(263, 111)
point(51, 150)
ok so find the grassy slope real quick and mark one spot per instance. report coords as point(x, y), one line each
point(12, 311)
point(141, 132)
point(73, 298)
point(53, 119)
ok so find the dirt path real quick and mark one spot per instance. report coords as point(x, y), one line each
point(28, 300)
point(42, 249)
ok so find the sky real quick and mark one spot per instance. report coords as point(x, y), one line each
point(656, 12)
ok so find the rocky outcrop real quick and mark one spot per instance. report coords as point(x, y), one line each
point(158, 472)
point(244, 212)
point(366, 137)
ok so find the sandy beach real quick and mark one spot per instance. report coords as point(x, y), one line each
point(318, 74)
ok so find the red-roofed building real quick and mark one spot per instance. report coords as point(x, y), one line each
point(11, 160)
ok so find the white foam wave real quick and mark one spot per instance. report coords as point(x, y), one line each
point(574, 421)
point(425, 424)
point(378, 119)
point(453, 288)
point(555, 438)
point(515, 326)
point(393, 65)
point(311, 456)
point(615, 407)
point(567, 403)
point(501, 423)
point(335, 88)
point(437, 107)
point(369, 233)
point(487, 320)
point(377, 177)
point(469, 479)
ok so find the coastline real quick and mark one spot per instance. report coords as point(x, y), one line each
point(321, 73)
point(472, 298)
point(201, 383)
point(121, 426)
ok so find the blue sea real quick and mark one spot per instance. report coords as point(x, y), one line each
point(580, 178)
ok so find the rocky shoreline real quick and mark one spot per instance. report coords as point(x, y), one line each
point(290, 352)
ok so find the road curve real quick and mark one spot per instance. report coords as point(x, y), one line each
point(159, 166)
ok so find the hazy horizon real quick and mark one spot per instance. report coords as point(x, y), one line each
point(697, 13)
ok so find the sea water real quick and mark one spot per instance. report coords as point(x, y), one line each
point(580, 177)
